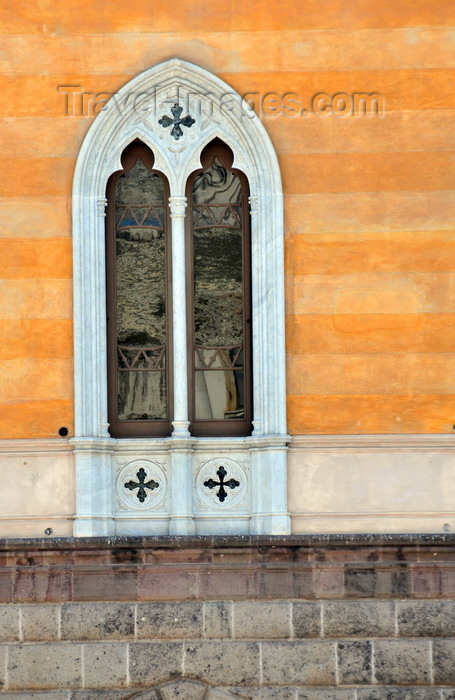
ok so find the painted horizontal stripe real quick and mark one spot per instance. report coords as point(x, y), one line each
point(338, 253)
point(33, 379)
point(418, 89)
point(372, 211)
point(48, 258)
point(36, 298)
point(371, 293)
point(371, 414)
point(35, 419)
point(58, 136)
point(375, 333)
point(314, 49)
point(405, 89)
point(31, 177)
point(21, 216)
point(302, 173)
point(391, 373)
point(367, 172)
point(396, 132)
point(36, 338)
point(193, 15)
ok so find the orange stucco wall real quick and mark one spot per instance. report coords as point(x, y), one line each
point(369, 201)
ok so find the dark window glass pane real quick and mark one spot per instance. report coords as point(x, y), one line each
point(140, 289)
point(218, 294)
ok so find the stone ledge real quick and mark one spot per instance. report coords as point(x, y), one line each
point(414, 540)
point(229, 568)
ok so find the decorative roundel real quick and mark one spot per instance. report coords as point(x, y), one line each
point(141, 484)
point(221, 483)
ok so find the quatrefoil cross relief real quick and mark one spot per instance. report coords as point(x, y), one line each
point(176, 122)
point(230, 483)
point(141, 485)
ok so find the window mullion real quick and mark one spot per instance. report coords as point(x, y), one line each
point(180, 422)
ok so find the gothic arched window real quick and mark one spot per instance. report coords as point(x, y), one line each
point(180, 398)
point(219, 297)
point(138, 302)
point(138, 286)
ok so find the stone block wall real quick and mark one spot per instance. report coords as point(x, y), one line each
point(357, 618)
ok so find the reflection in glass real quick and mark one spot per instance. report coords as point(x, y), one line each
point(218, 294)
point(140, 295)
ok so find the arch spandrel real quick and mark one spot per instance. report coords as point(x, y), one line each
point(135, 110)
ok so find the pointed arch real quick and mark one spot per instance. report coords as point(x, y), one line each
point(134, 112)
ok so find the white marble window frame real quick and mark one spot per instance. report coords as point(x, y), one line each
point(133, 112)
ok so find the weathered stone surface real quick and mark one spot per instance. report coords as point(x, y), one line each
point(427, 581)
point(265, 693)
point(55, 695)
point(218, 662)
point(85, 572)
point(155, 662)
point(360, 582)
point(401, 581)
point(6, 586)
point(358, 618)
point(221, 694)
point(9, 623)
point(444, 661)
point(402, 661)
point(97, 621)
point(32, 584)
point(429, 618)
point(261, 620)
point(109, 584)
point(35, 666)
point(169, 620)
point(3, 652)
point(354, 662)
point(217, 620)
point(329, 694)
point(298, 662)
point(183, 690)
point(328, 581)
point(398, 694)
point(105, 664)
point(110, 694)
point(290, 668)
point(235, 585)
point(306, 619)
point(40, 622)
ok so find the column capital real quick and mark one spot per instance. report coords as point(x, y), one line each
point(101, 204)
point(177, 205)
point(254, 204)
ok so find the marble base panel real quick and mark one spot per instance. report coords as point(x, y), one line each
point(372, 483)
point(335, 484)
point(37, 495)
point(181, 487)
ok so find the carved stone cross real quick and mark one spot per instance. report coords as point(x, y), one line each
point(176, 121)
point(230, 483)
point(141, 486)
